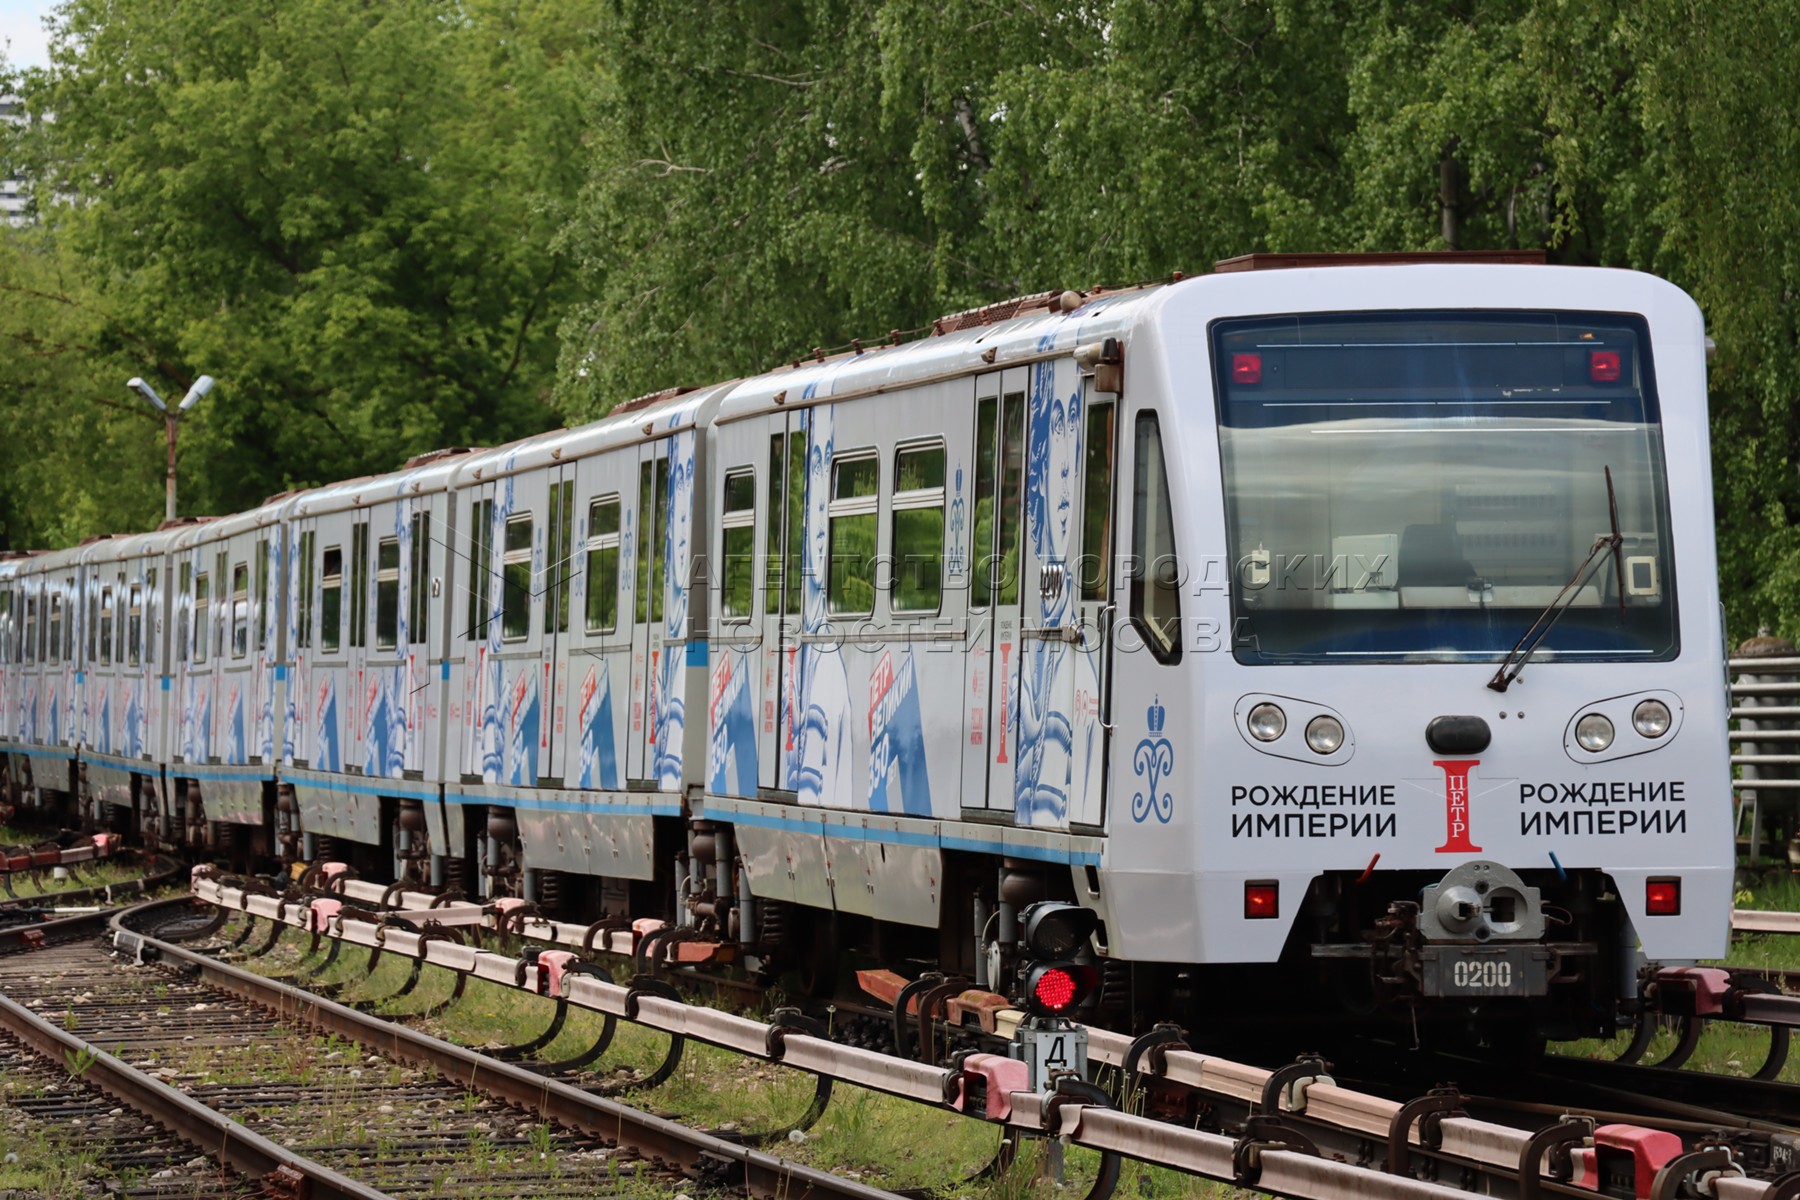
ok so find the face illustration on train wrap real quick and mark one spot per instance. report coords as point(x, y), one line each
point(819, 764)
point(234, 726)
point(1045, 743)
point(136, 724)
point(670, 715)
point(599, 755)
point(327, 754)
point(731, 765)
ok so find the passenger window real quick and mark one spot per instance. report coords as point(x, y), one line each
point(645, 518)
point(1011, 503)
point(853, 512)
point(240, 610)
point(134, 628)
point(561, 568)
point(359, 584)
point(659, 540)
point(261, 632)
point(515, 596)
point(220, 574)
point(982, 537)
point(1095, 570)
point(387, 594)
point(93, 627)
point(739, 525)
point(202, 615)
point(106, 627)
point(6, 627)
point(331, 599)
point(150, 603)
point(303, 635)
point(56, 624)
point(918, 528)
point(418, 608)
point(776, 525)
point(1155, 571)
point(183, 615)
point(603, 566)
point(31, 629)
point(481, 566)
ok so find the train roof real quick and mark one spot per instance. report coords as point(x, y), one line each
point(644, 419)
point(985, 339)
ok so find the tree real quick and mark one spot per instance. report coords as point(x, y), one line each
point(343, 212)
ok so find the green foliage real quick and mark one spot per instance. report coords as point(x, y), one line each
point(343, 212)
point(390, 227)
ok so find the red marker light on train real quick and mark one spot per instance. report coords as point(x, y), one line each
point(1603, 366)
point(1262, 901)
point(1247, 368)
point(1662, 897)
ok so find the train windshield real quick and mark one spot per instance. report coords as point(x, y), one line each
point(1420, 486)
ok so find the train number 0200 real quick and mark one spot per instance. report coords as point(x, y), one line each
point(1481, 974)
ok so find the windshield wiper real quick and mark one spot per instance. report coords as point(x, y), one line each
point(1526, 646)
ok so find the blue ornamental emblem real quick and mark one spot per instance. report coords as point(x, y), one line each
point(1154, 757)
point(955, 565)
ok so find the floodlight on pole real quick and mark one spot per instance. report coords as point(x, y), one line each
point(171, 417)
point(202, 385)
point(148, 392)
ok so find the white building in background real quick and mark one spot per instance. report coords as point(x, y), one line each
point(13, 198)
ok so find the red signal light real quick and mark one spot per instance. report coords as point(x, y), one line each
point(1603, 366)
point(1262, 901)
point(1055, 989)
point(1246, 368)
point(1662, 897)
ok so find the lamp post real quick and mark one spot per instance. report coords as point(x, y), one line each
point(171, 416)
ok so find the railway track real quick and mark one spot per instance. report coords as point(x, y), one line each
point(1290, 1128)
point(300, 1094)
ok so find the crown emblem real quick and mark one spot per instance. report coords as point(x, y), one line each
point(1156, 715)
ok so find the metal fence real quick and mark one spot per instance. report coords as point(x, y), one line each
point(1765, 747)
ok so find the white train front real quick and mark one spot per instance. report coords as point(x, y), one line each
point(1183, 603)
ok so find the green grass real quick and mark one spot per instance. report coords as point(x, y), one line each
point(1727, 1047)
point(880, 1139)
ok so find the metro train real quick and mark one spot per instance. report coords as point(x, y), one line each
point(1330, 626)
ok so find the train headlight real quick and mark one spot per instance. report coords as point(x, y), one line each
point(1651, 719)
point(1594, 733)
point(1267, 722)
point(1324, 734)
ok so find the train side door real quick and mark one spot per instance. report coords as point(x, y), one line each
point(557, 587)
point(1090, 582)
point(599, 654)
point(648, 570)
point(739, 683)
point(479, 627)
point(997, 595)
point(421, 676)
point(1054, 741)
point(784, 543)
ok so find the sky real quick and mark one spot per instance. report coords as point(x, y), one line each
point(22, 31)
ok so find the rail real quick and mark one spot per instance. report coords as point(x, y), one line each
point(761, 1174)
point(1303, 1135)
point(247, 1152)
